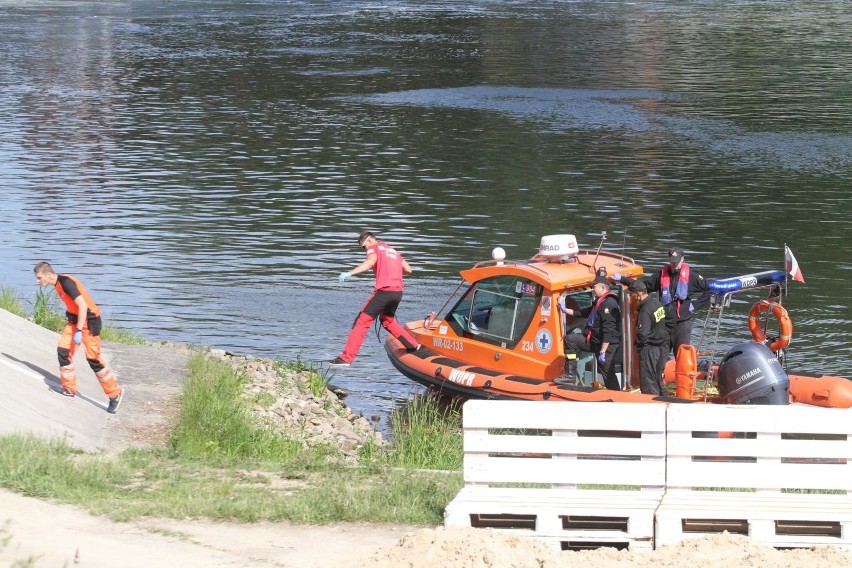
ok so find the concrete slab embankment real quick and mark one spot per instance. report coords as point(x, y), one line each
point(151, 377)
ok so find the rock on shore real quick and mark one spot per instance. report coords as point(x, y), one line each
point(284, 400)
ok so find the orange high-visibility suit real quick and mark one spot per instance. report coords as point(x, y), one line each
point(68, 288)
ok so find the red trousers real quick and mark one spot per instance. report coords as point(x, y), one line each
point(381, 304)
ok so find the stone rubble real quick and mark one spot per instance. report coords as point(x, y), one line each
point(282, 398)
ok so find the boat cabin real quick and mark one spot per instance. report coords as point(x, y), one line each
point(506, 316)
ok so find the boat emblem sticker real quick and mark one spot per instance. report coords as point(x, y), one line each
point(526, 288)
point(543, 341)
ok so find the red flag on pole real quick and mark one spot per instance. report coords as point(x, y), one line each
point(793, 266)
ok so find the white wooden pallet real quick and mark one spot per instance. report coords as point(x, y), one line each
point(765, 474)
point(573, 518)
point(571, 474)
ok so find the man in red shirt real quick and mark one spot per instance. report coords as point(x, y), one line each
point(389, 267)
point(83, 327)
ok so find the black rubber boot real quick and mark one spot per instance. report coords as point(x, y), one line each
point(570, 377)
point(571, 369)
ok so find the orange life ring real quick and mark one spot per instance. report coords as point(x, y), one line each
point(784, 323)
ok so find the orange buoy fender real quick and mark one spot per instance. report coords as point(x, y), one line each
point(784, 323)
point(830, 392)
point(686, 369)
point(669, 372)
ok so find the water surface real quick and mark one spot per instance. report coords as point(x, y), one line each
point(205, 167)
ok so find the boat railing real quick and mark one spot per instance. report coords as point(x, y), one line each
point(608, 253)
point(599, 253)
point(538, 258)
point(722, 292)
point(521, 263)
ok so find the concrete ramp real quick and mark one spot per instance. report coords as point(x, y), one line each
point(29, 370)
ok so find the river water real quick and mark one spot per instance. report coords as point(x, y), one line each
point(205, 167)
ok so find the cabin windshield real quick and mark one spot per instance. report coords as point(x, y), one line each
point(496, 310)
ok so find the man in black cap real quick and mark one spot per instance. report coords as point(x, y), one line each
point(602, 335)
point(651, 339)
point(681, 292)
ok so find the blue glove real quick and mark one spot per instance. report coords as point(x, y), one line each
point(343, 276)
point(615, 277)
point(78, 337)
point(602, 357)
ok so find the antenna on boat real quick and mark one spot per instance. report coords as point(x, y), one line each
point(600, 246)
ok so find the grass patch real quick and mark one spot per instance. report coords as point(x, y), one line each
point(10, 301)
point(52, 469)
point(145, 483)
point(216, 421)
point(427, 434)
point(382, 495)
point(118, 334)
point(47, 311)
point(263, 399)
point(317, 377)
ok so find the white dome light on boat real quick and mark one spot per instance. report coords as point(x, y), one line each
point(558, 247)
point(499, 255)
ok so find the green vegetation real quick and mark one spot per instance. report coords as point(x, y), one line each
point(222, 464)
point(120, 335)
point(49, 313)
point(318, 378)
point(156, 483)
point(216, 422)
point(11, 302)
point(428, 434)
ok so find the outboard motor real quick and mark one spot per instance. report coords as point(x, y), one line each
point(751, 374)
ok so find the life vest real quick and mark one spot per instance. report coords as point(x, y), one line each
point(70, 305)
point(682, 291)
point(593, 315)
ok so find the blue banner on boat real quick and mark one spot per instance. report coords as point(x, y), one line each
point(747, 281)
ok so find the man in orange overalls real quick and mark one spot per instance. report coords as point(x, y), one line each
point(85, 330)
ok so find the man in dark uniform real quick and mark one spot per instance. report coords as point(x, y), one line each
point(602, 335)
point(651, 339)
point(681, 291)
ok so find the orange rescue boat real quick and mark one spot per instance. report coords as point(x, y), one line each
point(500, 335)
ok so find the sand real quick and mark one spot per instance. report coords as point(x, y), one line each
point(39, 533)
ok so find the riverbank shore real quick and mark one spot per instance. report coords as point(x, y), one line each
point(286, 397)
point(36, 532)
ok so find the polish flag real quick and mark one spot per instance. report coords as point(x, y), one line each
point(793, 266)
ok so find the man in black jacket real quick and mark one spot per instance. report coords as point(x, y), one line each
point(651, 339)
point(681, 291)
point(602, 334)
